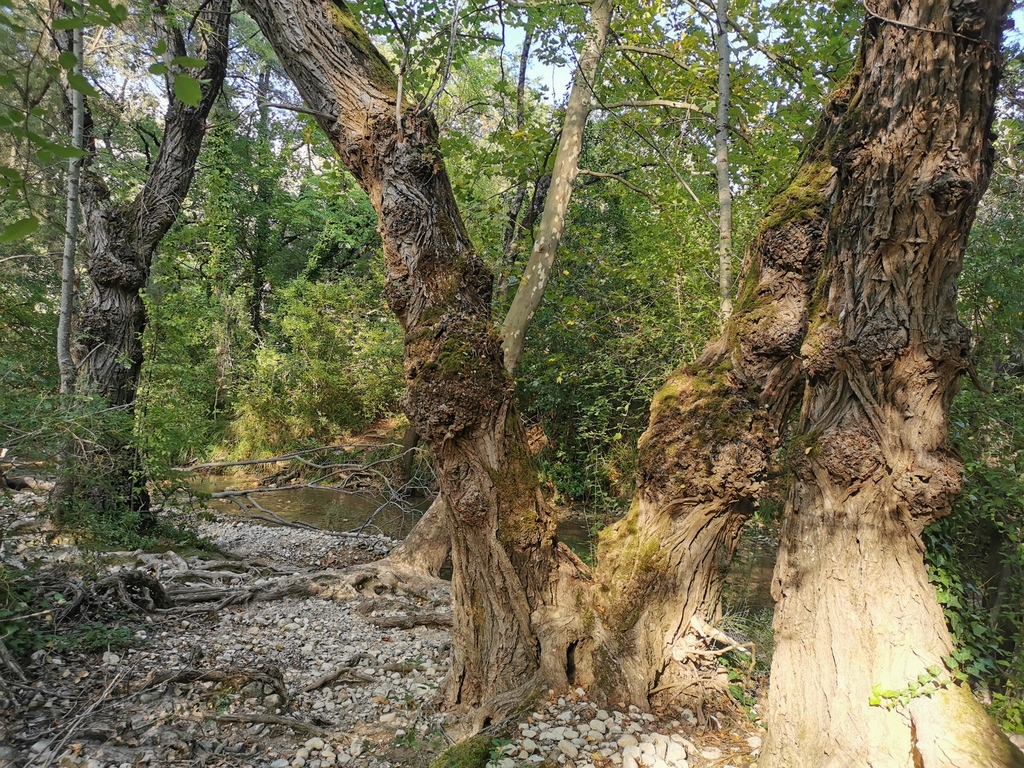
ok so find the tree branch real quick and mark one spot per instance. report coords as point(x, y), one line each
point(620, 179)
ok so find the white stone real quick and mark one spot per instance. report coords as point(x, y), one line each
point(627, 740)
point(529, 745)
point(675, 754)
point(598, 725)
point(303, 753)
point(507, 762)
point(602, 715)
point(388, 717)
point(711, 753)
point(568, 749)
point(281, 763)
point(628, 761)
point(754, 742)
point(661, 743)
point(570, 734)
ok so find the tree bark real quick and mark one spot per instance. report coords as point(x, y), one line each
point(856, 615)
point(65, 362)
point(705, 460)
point(556, 205)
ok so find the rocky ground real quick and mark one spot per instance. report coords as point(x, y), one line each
point(297, 680)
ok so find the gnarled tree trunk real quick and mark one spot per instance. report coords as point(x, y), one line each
point(121, 239)
point(510, 638)
point(858, 674)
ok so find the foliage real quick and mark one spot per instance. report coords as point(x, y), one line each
point(329, 366)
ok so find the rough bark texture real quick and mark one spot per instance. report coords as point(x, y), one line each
point(122, 238)
point(706, 456)
point(871, 461)
point(506, 585)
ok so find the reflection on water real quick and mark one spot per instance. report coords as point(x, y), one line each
point(324, 508)
point(336, 511)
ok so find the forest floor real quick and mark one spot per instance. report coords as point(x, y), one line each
point(250, 667)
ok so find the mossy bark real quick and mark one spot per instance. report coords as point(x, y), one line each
point(511, 578)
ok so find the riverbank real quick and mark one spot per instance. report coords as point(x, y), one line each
point(306, 677)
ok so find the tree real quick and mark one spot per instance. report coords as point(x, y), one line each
point(528, 614)
point(121, 237)
point(883, 352)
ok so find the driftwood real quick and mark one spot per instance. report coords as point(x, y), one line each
point(237, 677)
point(28, 484)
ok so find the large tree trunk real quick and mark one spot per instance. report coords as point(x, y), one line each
point(120, 242)
point(706, 458)
point(509, 638)
point(858, 628)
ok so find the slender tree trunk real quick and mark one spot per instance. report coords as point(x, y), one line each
point(67, 277)
point(857, 623)
point(259, 244)
point(722, 166)
point(563, 176)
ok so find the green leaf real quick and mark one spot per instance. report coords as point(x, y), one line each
point(158, 69)
point(19, 229)
point(188, 61)
point(80, 84)
point(161, 48)
point(68, 153)
point(74, 23)
point(67, 60)
point(186, 89)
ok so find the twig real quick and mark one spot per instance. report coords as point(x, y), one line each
point(77, 722)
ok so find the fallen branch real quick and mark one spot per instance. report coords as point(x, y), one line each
point(288, 722)
point(409, 621)
point(349, 675)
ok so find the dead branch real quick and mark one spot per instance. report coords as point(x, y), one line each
point(237, 677)
point(344, 674)
point(288, 722)
point(412, 620)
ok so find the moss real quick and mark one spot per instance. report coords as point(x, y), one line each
point(471, 753)
point(803, 198)
point(345, 22)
